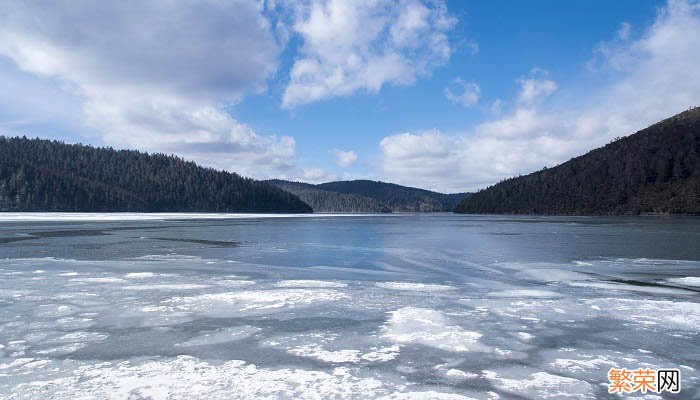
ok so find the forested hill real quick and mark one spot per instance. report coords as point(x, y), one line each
point(398, 198)
point(326, 201)
point(386, 196)
point(656, 170)
point(43, 175)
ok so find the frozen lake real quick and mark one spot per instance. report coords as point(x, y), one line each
point(384, 306)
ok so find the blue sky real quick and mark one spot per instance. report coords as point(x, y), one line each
point(448, 96)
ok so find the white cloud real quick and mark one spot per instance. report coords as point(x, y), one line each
point(314, 175)
point(464, 93)
point(536, 87)
point(156, 75)
point(351, 46)
point(28, 104)
point(345, 158)
point(656, 78)
point(457, 163)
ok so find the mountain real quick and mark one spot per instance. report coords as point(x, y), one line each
point(370, 196)
point(398, 198)
point(656, 170)
point(326, 201)
point(43, 175)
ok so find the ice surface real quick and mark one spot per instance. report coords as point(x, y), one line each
point(634, 288)
point(541, 385)
point(413, 286)
point(252, 301)
point(400, 307)
point(98, 280)
point(221, 336)
point(310, 283)
point(139, 275)
point(166, 286)
point(429, 328)
point(687, 281)
point(523, 293)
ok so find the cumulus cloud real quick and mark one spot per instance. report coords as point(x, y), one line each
point(156, 75)
point(351, 46)
point(463, 93)
point(536, 87)
point(656, 77)
point(345, 158)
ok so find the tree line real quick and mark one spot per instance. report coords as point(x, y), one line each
point(656, 170)
point(45, 175)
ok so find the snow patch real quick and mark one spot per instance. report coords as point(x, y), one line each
point(427, 395)
point(253, 301)
point(318, 352)
point(139, 275)
point(429, 328)
point(524, 293)
point(687, 281)
point(542, 385)
point(421, 287)
point(166, 286)
point(310, 283)
point(97, 280)
point(189, 378)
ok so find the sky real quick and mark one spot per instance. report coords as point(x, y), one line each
point(451, 96)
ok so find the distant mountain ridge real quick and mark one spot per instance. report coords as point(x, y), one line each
point(656, 170)
point(370, 196)
point(44, 175)
point(328, 201)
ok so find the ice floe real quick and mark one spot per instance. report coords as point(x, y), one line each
point(331, 356)
point(139, 275)
point(234, 283)
point(98, 280)
point(167, 286)
point(540, 385)
point(687, 281)
point(429, 328)
point(520, 293)
point(426, 395)
point(190, 378)
point(310, 283)
point(253, 301)
point(664, 313)
point(421, 287)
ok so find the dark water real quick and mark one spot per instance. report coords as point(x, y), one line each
point(410, 306)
